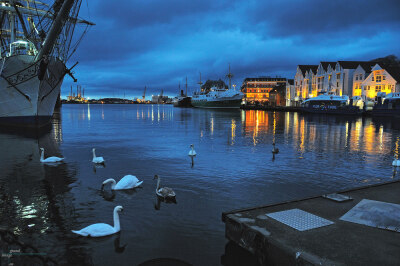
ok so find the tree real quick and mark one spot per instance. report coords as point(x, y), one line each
point(213, 83)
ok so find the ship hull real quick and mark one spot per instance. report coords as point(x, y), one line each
point(220, 103)
point(386, 112)
point(183, 102)
point(345, 110)
point(26, 100)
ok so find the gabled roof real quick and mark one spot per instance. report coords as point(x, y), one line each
point(305, 68)
point(367, 66)
point(326, 64)
point(351, 64)
point(394, 72)
point(290, 81)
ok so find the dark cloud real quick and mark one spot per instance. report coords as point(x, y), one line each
point(157, 43)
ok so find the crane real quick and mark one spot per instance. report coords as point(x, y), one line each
point(144, 94)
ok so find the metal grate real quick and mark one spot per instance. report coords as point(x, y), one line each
point(299, 219)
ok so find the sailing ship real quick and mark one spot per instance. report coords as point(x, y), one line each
point(182, 100)
point(217, 97)
point(36, 42)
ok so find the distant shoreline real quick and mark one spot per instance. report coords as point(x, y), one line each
point(110, 103)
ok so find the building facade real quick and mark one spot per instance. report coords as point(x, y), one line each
point(258, 89)
point(381, 79)
point(359, 75)
point(324, 75)
point(290, 92)
point(304, 82)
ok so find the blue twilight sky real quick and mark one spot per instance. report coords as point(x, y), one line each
point(156, 43)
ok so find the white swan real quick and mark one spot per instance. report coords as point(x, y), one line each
point(97, 159)
point(164, 192)
point(127, 182)
point(52, 159)
point(396, 162)
point(192, 152)
point(102, 229)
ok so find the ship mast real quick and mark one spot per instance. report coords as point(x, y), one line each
point(229, 76)
point(186, 87)
point(51, 37)
point(200, 82)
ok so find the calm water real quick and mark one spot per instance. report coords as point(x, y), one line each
point(40, 204)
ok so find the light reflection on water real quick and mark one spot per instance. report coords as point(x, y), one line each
point(233, 169)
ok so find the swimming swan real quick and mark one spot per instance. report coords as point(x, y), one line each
point(164, 192)
point(97, 159)
point(396, 162)
point(102, 229)
point(52, 159)
point(274, 150)
point(127, 182)
point(192, 152)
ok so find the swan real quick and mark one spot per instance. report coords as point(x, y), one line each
point(102, 229)
point(274, 150)
point(127, 182)
point(192, 152)
point(52, 159)
point(164, 192)
point(97, 159)
point(396, 162)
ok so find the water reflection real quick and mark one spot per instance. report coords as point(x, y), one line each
point(330, 133)
point(36, 197)
point(233, 170)
point(118, 248)
point(159, 200)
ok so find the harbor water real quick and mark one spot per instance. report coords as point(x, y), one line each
point(234, 168)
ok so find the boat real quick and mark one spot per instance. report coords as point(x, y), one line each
point(331, 104)
point(182, 100)
point(36, 44)
point(387, 105)
point(217, 97)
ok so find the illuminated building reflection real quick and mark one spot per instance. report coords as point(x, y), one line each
point(328, 134)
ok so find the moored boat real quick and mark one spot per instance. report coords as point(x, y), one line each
point(218, 97)
point(388, 105)
point(182, 100)
point(331, 104)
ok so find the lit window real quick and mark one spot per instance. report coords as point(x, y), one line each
point(378, 78)
point(383, 77)
point(361, 76)
point(372, 78)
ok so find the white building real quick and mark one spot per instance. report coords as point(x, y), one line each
point(324, 77)
point(344, 77)
point(359, 75)
point(303, 82)
point(381, 79)
point(290, 92)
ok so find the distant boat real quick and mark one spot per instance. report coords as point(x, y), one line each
point(388, 105)
point(218, 97)
point(182, 100)
point(330, 104)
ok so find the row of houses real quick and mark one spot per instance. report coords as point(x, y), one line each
point(352, 78)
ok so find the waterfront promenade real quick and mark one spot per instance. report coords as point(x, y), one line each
point(339, 243)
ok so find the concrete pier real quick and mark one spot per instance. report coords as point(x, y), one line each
point(339, 243)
